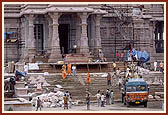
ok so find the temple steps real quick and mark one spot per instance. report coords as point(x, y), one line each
point(78, 86)
point(81, 68)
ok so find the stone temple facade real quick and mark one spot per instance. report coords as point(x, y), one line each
point(50, 30)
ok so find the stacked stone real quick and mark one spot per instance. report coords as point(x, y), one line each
point(21, 90)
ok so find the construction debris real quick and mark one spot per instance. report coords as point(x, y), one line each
point(51, 99)
point(33, 66)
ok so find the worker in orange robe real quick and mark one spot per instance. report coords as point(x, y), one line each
point(64, 71)
point(69, 69)
point(88, 78)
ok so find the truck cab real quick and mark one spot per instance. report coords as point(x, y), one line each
point(136, 92)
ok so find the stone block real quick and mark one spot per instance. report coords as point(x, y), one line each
point(21, 91)
point(19, 66)
point(19, 84)
point(17, 104)
point(11, 67)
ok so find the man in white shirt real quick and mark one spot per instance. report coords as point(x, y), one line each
point(98, 95)
point(74, 70)
point(112, 97)
point(102, 100)
point(155, 65)
point(118, 73)
point(114, 66)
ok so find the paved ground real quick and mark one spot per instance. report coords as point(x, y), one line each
point(117, 107)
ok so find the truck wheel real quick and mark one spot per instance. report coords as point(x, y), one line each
point(127, 104)
point(145, 104)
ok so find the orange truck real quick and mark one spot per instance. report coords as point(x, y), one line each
point(136, 92)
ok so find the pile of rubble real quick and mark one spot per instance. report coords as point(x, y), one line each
point(51, 99)
point(156, 81)
point(40, 79)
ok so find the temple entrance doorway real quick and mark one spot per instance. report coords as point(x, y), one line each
point(39, 40)
point(64, 38)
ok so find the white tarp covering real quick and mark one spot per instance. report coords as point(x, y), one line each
point(58, 86)
point(50, 100)
point(104, 75)
point(33, 66)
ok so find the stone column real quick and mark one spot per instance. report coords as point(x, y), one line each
point(93, 34)
point(98, 46)
point(78, 34)
point(31, 40)
point(55, 47)
point(84, 49)
point(49, 34)
point(23, 41)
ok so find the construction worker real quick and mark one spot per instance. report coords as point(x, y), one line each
point(64, 71)
point(88, 78)
point(69, 69)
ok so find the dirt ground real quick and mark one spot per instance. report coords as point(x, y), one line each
point(116, 107)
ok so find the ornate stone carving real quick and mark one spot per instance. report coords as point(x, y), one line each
point(84, 49)
point(98, 37)
point(55, 47)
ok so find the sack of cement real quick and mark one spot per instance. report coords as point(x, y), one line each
point(75, 103)
point(58, 86)
point(46, 73)
point(46, 84)
point(7, 80)
point(11, 66)
point(149, 82)
point(32, 94)
point(42, 80)
point(6, 70)
point(40, 77)
point(157, 97)
point(19, 66)
point(53, 99)
point(46, 104)
point(60, 94)
point(50, 94)
point(33, 66)
point(26, 68)
point(60, 62)
point(150, 96)
point(61, 102)
point(33, 101)
point(143, 71)
point(104, 75)
point(53, 105)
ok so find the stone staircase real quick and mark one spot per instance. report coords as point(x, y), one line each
point(78, 86)
point(20, 90)
point(155, 87)
point(71, 84)
point(81, 67)
point(40, 58)
point(77, 58)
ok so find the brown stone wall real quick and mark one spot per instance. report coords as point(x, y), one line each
point(12, 48)
point(140, 30)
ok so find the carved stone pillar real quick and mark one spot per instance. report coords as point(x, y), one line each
point(55, 47)
point(78, 34)
point(84, 49)
point(49, 34)
point(98, 46)
point(23, 40)
point(31, 40)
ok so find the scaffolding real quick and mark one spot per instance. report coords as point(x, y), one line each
point(123, 25)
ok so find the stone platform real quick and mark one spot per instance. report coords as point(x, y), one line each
point(82, 67)
point(78, 86)
point(17, 104)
